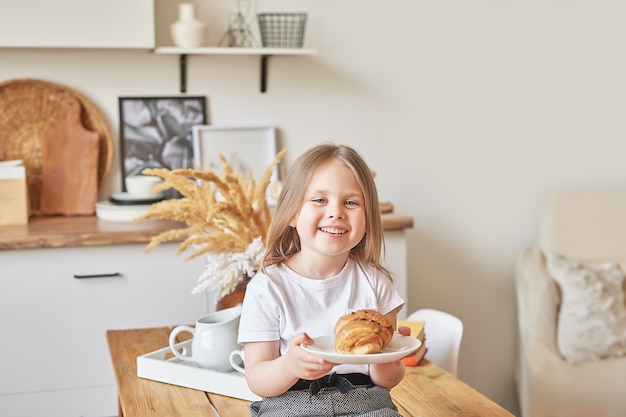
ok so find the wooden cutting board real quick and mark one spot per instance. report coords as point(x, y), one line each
point(69, 165)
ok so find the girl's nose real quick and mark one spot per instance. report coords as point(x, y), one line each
point(335, 211)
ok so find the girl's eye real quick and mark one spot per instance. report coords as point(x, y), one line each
point(318, 200)
point(352, 203)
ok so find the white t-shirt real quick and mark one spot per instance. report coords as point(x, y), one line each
point(280, 304)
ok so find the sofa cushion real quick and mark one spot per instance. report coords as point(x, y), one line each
point(592, 314)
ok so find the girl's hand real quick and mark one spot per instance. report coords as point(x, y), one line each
point(404, 330)
point(303, 364)
point(269, 374)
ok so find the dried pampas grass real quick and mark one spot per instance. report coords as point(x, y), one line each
point(223, 213)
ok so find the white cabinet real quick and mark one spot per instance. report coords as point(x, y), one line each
point(396, 262)
point(54, 358)
point(77, 24)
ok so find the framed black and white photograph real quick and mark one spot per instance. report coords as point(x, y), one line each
point(246, 148)
point(156, 132)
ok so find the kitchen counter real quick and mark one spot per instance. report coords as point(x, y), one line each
point(59, 232)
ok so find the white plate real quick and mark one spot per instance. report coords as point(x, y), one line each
point(106, 210)
point(125, 198)
point(399, 347)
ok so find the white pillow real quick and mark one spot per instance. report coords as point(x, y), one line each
point(592, 314)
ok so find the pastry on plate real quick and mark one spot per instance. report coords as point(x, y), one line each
point(362, 332)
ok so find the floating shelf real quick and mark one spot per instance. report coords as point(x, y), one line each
point(264, 53)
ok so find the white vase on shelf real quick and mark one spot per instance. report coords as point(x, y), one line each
point(188, 31)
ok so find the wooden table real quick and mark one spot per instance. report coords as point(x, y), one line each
point(425, 391)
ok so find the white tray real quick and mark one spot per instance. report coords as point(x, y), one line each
point(173, 371)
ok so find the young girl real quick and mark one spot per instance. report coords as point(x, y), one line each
point(322, 262)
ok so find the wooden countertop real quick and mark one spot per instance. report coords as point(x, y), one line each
point(59, 232)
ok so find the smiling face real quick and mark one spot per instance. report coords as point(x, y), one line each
point(330, 222)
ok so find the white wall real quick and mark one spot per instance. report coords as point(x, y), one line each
point(471, 112)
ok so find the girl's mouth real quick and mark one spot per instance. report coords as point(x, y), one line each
point(333, 231)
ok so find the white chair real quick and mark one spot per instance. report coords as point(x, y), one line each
point(443, 337)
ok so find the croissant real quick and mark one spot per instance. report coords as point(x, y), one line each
point(362, 332)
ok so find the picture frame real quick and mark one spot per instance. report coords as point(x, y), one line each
point(156, 132)
point(245, 147)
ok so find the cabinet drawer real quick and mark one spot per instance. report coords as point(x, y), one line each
point(54, 324)
point(83, 402)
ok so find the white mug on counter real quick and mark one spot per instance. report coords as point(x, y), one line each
point(142, 186)
point(214, 338)
point(238, 365)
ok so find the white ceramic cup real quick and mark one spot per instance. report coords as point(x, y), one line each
point(142, 186)
point(238, 364)
point(214, 338)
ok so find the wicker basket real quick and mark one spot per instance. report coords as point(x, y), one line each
point(29, 107)
point(282, 30)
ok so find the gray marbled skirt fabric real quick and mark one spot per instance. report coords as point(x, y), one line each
point(362, 401)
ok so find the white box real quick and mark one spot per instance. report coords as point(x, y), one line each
point(14, 202)
point(156, 367)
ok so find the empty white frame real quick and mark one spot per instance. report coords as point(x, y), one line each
point(246, 148)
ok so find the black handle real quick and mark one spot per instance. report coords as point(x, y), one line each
point(113, 274)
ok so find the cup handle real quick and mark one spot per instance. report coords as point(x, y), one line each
point(234, 363)
point(182, 356)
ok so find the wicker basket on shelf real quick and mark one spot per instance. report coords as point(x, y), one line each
point(29, 107)
point(282, 30)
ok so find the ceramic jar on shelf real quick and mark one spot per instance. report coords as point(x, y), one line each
point(188, 31)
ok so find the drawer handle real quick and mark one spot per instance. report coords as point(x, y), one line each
point(113, 274)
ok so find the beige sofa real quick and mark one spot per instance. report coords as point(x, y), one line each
point(590, 227)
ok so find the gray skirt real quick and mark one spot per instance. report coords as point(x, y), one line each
point(362, 401)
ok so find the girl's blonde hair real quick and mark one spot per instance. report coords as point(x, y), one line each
point(283, 240)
